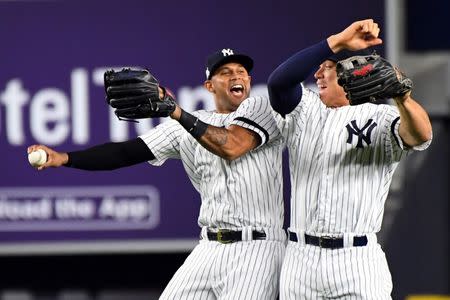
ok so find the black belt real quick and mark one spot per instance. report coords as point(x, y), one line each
point(328, 241)
point(226, 236)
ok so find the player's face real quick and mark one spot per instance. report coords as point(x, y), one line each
point(331, 93)
point(230, 85)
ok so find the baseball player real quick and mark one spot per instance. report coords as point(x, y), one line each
point(233, 158)
point(342, 158)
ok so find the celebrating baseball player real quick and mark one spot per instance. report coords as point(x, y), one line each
point(343, 151)
point(233, 158)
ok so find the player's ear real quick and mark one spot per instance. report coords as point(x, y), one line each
point(209, 86)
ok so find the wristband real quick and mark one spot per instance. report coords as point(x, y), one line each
point(192, 124)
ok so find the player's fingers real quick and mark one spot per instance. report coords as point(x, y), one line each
point(374, 42)
point(377, 32)
point(376, 26)
point(47, 164)
point(32, 148)
point(361, 23)
point(366, 25)
point(371, 24)
point(372, 37)
point(369, 27)
point(36, 147)
point(374, 30)
point(45, 148)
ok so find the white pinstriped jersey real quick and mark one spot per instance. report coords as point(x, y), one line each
point(235, 194)
point(341, 163)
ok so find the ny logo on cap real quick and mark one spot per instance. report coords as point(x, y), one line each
point(227, 52)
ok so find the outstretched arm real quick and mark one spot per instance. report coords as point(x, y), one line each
point(284, 83)
point(107, 156)
point(284, 86)
point(415, 126)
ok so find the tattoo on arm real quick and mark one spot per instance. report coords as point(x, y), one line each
point(223, 142)
point(216, 135)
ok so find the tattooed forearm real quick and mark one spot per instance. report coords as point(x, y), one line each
point(217, 136)
point(228, 143)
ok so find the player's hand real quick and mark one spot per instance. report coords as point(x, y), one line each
point(359, 35)
point(54, 159)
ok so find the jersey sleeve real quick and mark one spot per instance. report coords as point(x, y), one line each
point(164, 141)
point(398, 148)
point(256, 114)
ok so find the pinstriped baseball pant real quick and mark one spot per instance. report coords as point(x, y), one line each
point(311, 272)
point(241, 270)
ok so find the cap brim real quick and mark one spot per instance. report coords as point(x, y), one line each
point(244, 60)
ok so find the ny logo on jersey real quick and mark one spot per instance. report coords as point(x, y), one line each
point(353, 129)
point(227, 52)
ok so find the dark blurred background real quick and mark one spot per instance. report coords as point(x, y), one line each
point(74, 235)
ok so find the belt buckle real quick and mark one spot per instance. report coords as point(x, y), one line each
point(220, 237)
point(324, 239)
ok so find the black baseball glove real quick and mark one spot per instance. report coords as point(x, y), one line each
point(134, 94)
point(369, 78)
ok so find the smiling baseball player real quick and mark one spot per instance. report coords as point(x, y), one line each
point(343, 151)
point(233, 158)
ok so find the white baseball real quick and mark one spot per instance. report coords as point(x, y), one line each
point(37, 158)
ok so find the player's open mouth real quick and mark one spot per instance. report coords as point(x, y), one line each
point(237, 90)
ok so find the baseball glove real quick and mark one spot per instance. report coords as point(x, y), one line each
point(369, 78)
point(134, 94)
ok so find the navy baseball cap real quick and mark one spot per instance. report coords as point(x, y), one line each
point(225, 56)
point(344, 54)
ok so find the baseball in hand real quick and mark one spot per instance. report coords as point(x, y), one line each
point(37, 158)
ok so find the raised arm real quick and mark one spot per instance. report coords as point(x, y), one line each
point(284, 86)
point(284, 83)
